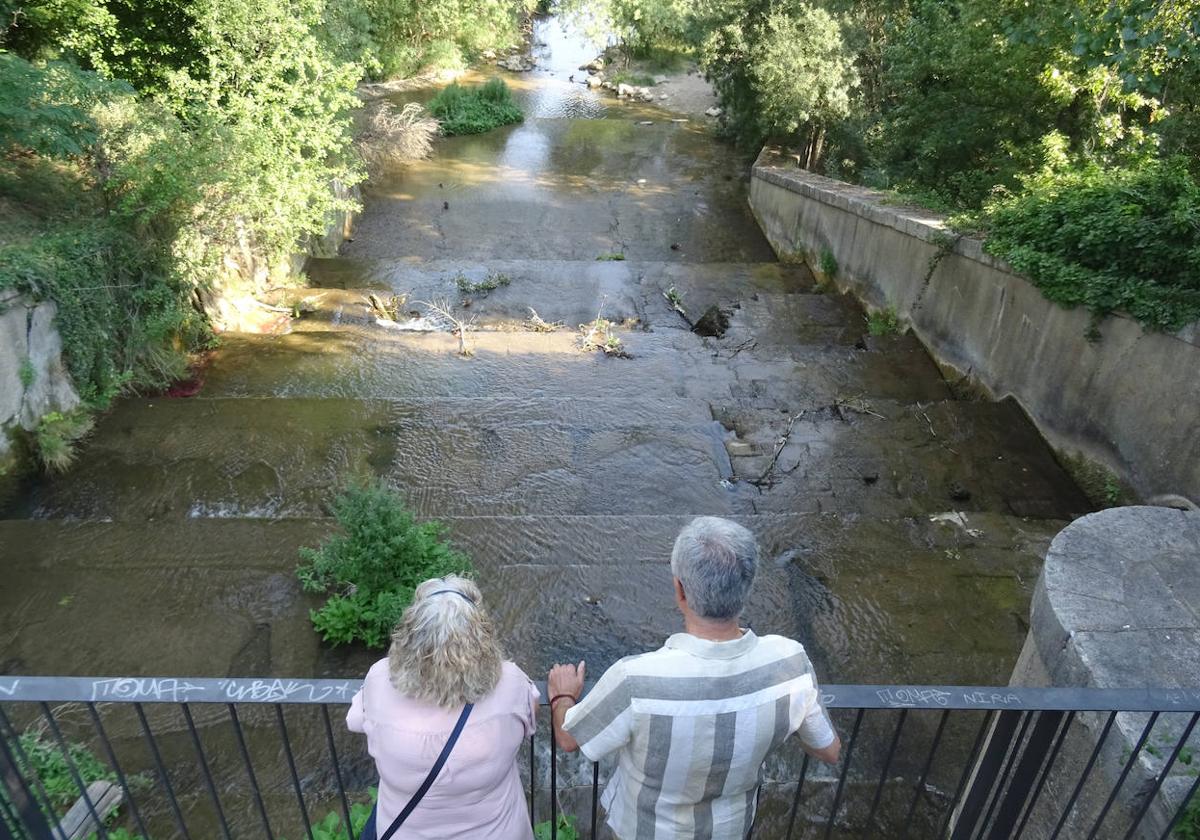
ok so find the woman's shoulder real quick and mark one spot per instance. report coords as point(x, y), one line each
point(514, 686)
point(379, 671)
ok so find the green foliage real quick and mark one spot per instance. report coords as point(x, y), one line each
point(883, 322)
point(567, 829)
point(632, 77)
point(474, 110)
point(493, 281)
point(781, 69)
point(27, 372)
point(332, 826)
point(1189, 825)
point(612, 257)
point(46, 761)
point(57, 435)
point(370, 569)
point(1124, 239)
point(828, 263)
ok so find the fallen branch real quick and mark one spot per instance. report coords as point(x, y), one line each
point(780, 445)
point(536, 323)
point(440, 313)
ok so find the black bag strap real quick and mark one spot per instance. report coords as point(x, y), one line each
point(433, 774)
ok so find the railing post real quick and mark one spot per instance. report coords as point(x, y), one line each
point(984, 775)
point(31, 817)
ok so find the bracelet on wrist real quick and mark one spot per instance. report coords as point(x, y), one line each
point(558, 697)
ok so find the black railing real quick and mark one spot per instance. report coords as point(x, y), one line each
point(201, 758)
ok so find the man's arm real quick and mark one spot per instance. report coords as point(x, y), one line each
point(565, 686)
point(829, 754)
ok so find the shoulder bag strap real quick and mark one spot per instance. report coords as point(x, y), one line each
point(433, 774)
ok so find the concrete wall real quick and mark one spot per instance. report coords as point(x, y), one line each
point(33, 379)
point(1130, 400)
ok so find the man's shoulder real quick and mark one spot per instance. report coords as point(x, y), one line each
point(781, 645)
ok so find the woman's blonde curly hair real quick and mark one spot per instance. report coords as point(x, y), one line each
point(444, 651)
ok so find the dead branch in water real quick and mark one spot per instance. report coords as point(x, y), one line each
point(780, 445)
point(441, 313)
point(536, 323)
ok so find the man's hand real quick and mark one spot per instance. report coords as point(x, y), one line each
point(566, 679)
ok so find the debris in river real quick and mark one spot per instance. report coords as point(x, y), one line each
point(766, 477)
point(494, 280)
point(388, 308)
point(536, 323)
point(713, 323)
point(440, 313)
point(599, 335)
point(674, 298)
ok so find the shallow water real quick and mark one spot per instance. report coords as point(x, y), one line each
point(902, 529)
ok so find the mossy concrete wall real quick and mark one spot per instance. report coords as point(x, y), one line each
point(1130, 400)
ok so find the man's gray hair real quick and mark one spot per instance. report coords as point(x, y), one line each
point(715, 560)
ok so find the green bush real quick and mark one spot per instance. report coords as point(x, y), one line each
point(47, 762)
point(1111, 240)
point(370, 569)
point(474, 110)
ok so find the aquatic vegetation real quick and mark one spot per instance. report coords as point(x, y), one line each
point(613, 257)
point(370, 569)
point(493, 281)
point(883, 322)
point(475, 110)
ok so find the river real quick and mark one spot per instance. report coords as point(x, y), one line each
point(902, 522)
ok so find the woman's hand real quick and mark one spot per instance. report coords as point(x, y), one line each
point(566, 679)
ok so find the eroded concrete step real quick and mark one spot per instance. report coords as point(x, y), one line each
point(572, 292)
point(175, 459)
point(216, 597)
point(567, 189)
point(369, 362)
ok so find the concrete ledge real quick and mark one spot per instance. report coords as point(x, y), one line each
point(1129, 401)
point(1117, 605)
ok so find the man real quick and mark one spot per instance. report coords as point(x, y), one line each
point(693, 721)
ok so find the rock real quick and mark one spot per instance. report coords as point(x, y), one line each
point(625, 90)
point(645, 95)
point(646, 122)
point(50, 388)
point(489, 54)
point(14, 349)
point(714, 111)
point(713, 323)
point(593, 66)
point(595, 81)
point(662, 96)
point(959, 493)
point(741, 448)
point(608, 86)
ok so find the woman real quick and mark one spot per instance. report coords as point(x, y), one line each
point(444, 655)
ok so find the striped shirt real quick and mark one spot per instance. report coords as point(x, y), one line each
point(692, 723)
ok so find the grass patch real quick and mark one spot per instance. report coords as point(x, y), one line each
point(632, 77)
point(26, 373)
point(475, 110)
point(493, 281)
point(370, 569)
point(58, 435)
point(828, 264)
point(599, 335)
point(883, 322)
point(613, 257)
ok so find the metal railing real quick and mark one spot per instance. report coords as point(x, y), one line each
point(201, 758)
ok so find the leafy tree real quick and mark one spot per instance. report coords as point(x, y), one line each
point(1121, 239)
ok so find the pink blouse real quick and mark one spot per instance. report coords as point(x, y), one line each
point(478, 793)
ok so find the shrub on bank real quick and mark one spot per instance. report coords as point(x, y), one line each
point(370, 569)
point(1109, 239)
point(476, 110)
